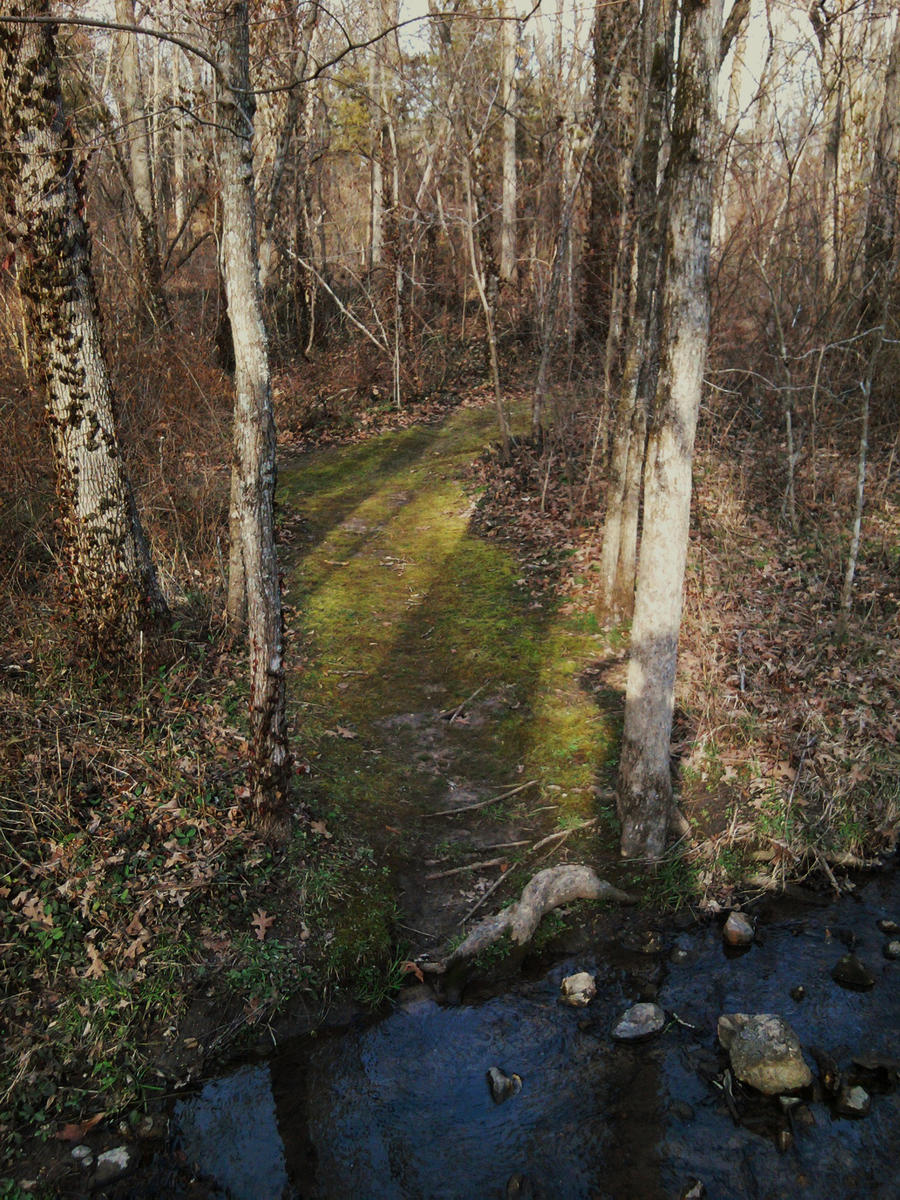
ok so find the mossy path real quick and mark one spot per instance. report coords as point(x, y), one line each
point(431, 677)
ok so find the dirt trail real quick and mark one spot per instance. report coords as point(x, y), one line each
point(435, 678)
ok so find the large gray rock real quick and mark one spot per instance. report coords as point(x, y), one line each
point(764, 1051)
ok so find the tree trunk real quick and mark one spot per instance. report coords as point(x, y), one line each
point(484, 272)
point(645, 784)
point(508, 39)
point(829, 31)
point(617, 556)
point(113, 585)
point(293, 113)
point(881, 220)
point(254, 434)
point(137, 136)
point(377, 134)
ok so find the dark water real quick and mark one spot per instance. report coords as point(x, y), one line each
point(402, 1108)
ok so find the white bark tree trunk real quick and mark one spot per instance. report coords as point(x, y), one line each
point(508, 39)
point(254, 467)
point(377, 134)
point(112, 583)
point(617, 558)
point(293, 114)
point(137, 137)
point(645, 785)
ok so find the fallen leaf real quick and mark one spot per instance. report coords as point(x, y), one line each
point(97, 966)
point(262, 923)
point(410, 968)
point(75, 1131)
point(320, 827)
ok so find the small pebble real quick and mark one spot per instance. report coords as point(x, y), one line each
point(853, 1102)
point(693, 1190)
point(738, 930)
point(578, 989)
point(887, 926)
point(892, 948)
point(83, 1155)
point(502, 1085)
point(798, 993)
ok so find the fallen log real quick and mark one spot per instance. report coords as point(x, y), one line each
point(544, 892)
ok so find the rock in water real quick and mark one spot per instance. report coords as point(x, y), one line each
point(764, 1051)
point(693, 1190)
point(638, 1022)
point(892, 948)
point(578, 990)
point(502, 1085)
point(829, 1074)
point(113, 1164)
point(853, 1102)
point(850, 972)
point(738, 929)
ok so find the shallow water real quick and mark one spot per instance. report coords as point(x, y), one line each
point(402, 1108)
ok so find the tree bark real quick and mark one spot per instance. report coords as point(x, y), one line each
point(377, 134)
point(617, 556)
point(508, 38)
point(137, 137)
point(254, 434)
point(829, 31)
point(293, 113)
point(645, 786)
point(881, 219)
point(113, 586)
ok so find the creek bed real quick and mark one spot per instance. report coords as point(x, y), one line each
point(402, 1108)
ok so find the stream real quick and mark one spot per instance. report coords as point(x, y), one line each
point(401, 1107)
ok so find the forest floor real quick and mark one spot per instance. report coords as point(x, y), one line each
point(455, 705)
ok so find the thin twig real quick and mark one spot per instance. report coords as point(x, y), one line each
point(564, 833)
point(475, 866)
point(487, 895)
point(505, 845)
point(823, 863)
point(451, 812)
point(453, 713)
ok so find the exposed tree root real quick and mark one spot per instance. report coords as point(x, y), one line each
point(545, 891)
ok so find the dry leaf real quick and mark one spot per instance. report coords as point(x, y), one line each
point(75, 1131)
point(262, 923)
point(97, 966)
point(319, 827)
point(410, 968)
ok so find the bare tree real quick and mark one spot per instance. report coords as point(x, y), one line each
point(113, 585)
point(254, 470)
point(645, 786)
point(136, 129)
point(508, 53)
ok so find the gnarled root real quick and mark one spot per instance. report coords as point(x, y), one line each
point(544, 892)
